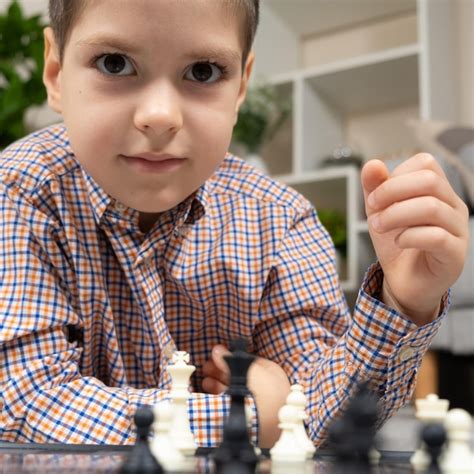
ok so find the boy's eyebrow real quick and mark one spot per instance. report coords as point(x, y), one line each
point(206, 52)
point(107, 40)
point(210, 52)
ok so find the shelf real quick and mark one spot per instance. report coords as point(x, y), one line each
point(398, 65)
point(361, 226)
point(322, 174)
point(309, 17)
point(376, 81)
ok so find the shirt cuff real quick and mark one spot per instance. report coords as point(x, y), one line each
point(384, 343)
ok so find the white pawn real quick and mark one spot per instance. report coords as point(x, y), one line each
point(181, 434)
point(298, 399)
point(458, 458)
point(161, 445)
point(288, 448)
point(431, 409)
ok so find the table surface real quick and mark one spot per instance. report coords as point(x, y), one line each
point(53, 458)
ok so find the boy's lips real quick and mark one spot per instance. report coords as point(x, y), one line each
point(151, 162)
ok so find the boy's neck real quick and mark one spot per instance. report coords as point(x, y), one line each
point(146, 220)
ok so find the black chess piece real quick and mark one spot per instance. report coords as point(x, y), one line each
point(434, 437)
point(141, 459)
point(236, 454)
point(352, 436)
point(364, 412)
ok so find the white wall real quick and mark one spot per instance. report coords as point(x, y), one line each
point(465, 58)
point(372, 36)
point(30, 7)
point(365, 38)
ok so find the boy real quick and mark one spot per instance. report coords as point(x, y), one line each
point(128, 232)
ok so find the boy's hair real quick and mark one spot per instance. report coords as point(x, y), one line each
point(63, 14)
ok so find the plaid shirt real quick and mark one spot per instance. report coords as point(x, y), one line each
point(91, 308)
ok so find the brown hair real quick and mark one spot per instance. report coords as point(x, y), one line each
point(63, 13)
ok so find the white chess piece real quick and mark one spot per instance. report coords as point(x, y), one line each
point(161, 444)
point(431, 409)
point(288, 449)
point(298, 399)
point(457, 458)
point(180, 371)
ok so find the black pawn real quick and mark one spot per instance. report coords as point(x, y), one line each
point(236, 455)
point(141, 459)
point(434, 437)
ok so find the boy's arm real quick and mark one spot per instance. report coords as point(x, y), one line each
point(419, 229)
point(305, 325)
point(307, 329)
point(44, 397)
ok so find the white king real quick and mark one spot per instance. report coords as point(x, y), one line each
point(180, 371)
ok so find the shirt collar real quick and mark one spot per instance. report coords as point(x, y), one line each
point(186, 212)
point(100, 200)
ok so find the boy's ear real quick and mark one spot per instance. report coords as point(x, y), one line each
point(244, 82)
point(52, 70)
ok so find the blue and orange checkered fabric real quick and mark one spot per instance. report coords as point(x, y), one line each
point(91, 308)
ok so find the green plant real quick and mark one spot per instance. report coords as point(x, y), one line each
point(260, 116)
point(21, 66)
point(335, 224)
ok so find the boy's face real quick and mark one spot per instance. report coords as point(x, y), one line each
point(149, 91)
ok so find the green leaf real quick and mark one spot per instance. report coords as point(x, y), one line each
point(260, 117)
point(21, 39)
point(15, 13)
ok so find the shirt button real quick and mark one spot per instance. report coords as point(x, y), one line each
point(406, 353)
point(119, 206)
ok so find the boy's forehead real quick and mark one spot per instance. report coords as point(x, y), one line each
point(157, 13)
point(229, 11)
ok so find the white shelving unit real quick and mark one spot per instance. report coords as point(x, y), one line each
point(326, 97)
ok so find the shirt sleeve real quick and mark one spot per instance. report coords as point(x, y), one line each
point(305, 325)
point(44, 398)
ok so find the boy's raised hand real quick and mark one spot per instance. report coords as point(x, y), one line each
point(419, 229)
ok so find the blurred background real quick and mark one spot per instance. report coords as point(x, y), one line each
point(337, 82)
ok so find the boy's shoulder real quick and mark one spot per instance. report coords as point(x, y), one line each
point(38, 157)
point(237, 179)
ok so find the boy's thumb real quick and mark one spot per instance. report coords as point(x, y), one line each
point(373, 174)
point(218, 353)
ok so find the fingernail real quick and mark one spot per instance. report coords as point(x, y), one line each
point(218, 350)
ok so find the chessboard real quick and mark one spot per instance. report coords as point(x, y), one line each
point(16, 458)
point(165, 442)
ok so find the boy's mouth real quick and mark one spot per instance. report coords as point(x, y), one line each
point(151, 162)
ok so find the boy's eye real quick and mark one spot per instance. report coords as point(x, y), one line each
point(204, 72)
point(115, 65)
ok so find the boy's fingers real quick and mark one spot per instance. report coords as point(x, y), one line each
point(218, 353)
point(418, 211)
point(211, 370)
point(420, 161)
point(373, 174)
point(429, 239)
point(213, 386)
point(425, 182)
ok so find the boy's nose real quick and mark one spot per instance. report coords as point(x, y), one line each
point(159, 111)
